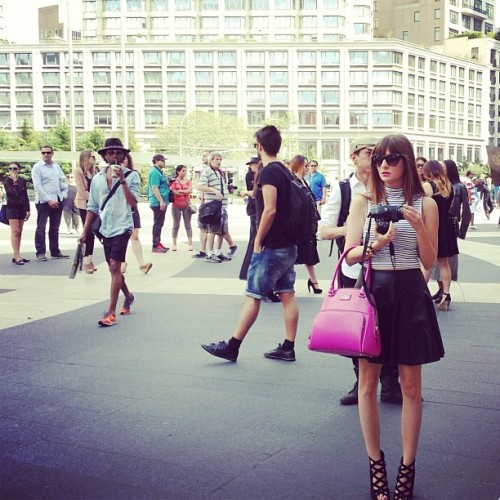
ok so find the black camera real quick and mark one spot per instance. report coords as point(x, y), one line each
point(384, 215)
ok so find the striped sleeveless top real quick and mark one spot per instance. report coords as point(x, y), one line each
point(405, 241)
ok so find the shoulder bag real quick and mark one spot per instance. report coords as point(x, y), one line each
point(3, 213)
point(347, 322)
point(210, 212)
point(96, 223)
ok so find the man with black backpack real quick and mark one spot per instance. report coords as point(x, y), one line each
point(274, 253)
point(332, 227)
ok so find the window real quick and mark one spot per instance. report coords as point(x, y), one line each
point(152, 77)
point(256, 78)
point(416, 16)
point(135, 5)
point(5, 97)
point(24, 79)
point(330, 77)
point(331, 118)
point(102, 78)
point(358, 96)
point(233, 4)
point(227, 97)
point(22, 98)
point(307, 117)
point(382, 118)
point(227, 77)
point(453, 17)
point(51, 78)
point(175, 58)
point(153, 117)
point(358, 77)
point(23, 59)
point(330, 57)
point(205, 97)
point(111, 5)
point(361, 28)
point(259, 4)
point(255, 58)
point(260, 22)
point(227, 58)
point(278, 77)
point(204, 77)
point(405, 36)
point(102, 97)
point(50, 59)
point(309, 22)
point(256, 97)
point(176, 96)
point(233, 22)
point(50, 118)
point(159, 5)
point(437, 13)
point(255, 118)
point(4, 59)
point(307, 97)
point(209, 4)
point(129, 78)
point(330, 96)
point(101, 58)
point(358, 118)
point(183, 4)
point(437, 34)
point(278, 58)
point(152, 58)
point(176, 78)
point(203, 58)
point(331, 4)
point(283, 22)
point(358, 57)
point(279, 97)
point(333, 22)
point(307, 77)
point(153, 97)
point(308, 4)
point(307, 58)
point(283, 4)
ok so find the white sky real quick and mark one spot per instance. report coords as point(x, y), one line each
point(21, 17)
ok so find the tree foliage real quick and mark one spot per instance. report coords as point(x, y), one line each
point(92, 140)
point(198, 131)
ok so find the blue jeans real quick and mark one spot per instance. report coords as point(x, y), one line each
point(53, 215)
point(271, 270)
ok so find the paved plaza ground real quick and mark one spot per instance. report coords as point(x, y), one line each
point(139, 410)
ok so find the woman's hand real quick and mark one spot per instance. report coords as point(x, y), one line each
point(413, 217)
point(381, 240)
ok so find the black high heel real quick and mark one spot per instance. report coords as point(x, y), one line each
point(405, 482)
point(437, 296)
point(445, 301)
point(312, 285)
point(378, 478)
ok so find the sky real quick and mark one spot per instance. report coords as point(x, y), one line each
point(21, 17)
point(22, 22)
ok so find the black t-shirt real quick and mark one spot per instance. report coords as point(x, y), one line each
point(273, 175)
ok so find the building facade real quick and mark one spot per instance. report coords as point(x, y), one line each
point(334, 91)
point(430, 22)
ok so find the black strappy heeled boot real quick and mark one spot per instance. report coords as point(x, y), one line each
point(378, 478)
point(405, 481)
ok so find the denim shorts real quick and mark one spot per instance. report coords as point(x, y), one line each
point(271, 270)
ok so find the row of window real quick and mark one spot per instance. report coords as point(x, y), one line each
point(108, 6)
point(254, 58)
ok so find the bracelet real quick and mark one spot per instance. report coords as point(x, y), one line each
point(372, 250)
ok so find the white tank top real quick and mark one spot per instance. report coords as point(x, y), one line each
point(405, 242)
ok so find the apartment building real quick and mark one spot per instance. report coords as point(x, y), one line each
point(229, 20)
point(335, 91)
point(430, 22)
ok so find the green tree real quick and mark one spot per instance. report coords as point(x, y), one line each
point(8, 141)
point(28, 139)
point(191, 134)
point(58, 137)
point(93, 140)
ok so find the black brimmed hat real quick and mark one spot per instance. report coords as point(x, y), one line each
point(113, 143)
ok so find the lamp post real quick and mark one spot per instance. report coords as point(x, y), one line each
point(72, 125)
point(123, 35)
point(180, 132)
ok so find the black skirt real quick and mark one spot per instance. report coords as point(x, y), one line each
point(307, 251)
point(407, 319)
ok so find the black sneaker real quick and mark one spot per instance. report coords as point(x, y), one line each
point(213, 259)
point(223, 257)
point(200, 255)
point(280, 353)
point(232, 251)
point(221, 350)
point(351, 398)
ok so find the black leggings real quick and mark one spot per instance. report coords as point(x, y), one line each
point(89, 240)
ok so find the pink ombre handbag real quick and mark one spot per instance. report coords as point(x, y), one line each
point(347, 321)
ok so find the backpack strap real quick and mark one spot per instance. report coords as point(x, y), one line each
point(345, 203)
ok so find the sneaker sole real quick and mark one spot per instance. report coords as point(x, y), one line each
point(218, 355)
point(270, 356)
point(101, 323)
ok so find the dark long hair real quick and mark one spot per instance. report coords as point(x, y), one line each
point(396, 143)
point(452, 171)
point(178, 168)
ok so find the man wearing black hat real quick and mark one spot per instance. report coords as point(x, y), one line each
point(116, 219)
point(158, 192)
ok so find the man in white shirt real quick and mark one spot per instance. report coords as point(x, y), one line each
point(361, 154)
point(51, 189)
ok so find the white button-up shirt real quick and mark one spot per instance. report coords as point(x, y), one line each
point(49, 182)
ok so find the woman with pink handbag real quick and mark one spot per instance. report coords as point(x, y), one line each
point(403, 235)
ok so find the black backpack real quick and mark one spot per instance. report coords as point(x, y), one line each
point(302, 217)
point(345, 203)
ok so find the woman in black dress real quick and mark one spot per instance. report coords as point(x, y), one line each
point(18, 209)
point(307, 247)
point(447, 238)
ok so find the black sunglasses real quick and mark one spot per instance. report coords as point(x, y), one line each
point(391, 159)
point(46, 152)
point(13, 168)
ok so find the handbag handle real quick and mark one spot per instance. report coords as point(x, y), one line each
point(338, 268)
